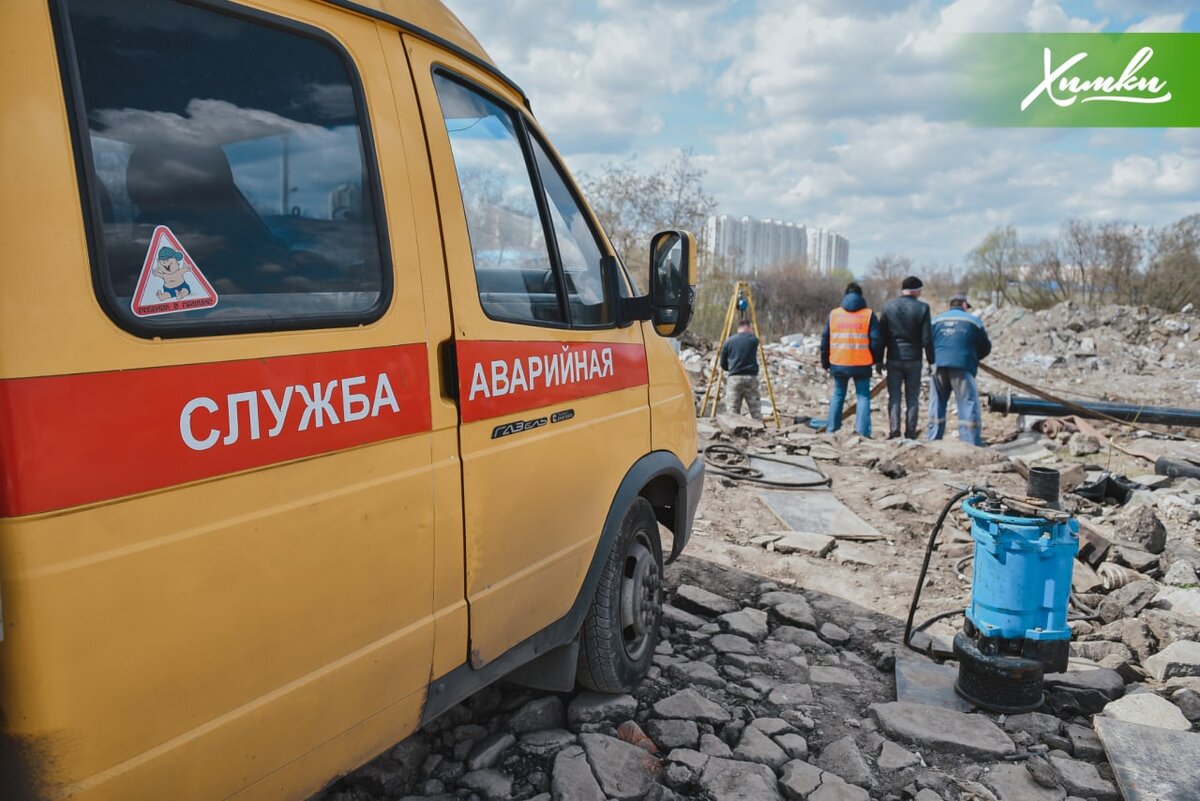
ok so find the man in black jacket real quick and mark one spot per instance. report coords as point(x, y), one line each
point(907, 333)
point(739, 358)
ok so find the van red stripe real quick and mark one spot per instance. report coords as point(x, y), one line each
point(503, 378)
point(76, 439)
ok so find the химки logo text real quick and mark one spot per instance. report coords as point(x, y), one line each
point(1103, 87)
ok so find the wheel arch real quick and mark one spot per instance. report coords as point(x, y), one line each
point(545, 658)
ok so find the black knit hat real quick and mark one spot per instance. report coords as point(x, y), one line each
point(912, 282)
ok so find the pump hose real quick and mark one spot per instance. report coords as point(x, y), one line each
point(916, 599)
point(733, 462)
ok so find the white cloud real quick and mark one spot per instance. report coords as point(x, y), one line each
point(1130, 8)
point(1159, 23)
point(596, 81)
point(833, 113)
point(1047, 16)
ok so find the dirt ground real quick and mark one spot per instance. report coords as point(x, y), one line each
point(775, 675)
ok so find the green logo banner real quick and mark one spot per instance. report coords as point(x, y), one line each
point(1079, 80)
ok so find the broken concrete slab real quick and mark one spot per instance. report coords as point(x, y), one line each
point(593, 707)
point(942, 729)
point(1082, 779)
point(732, 780)
point(1180, 658)
point(797, 613)
point(1084, 742)
point(827, 674)
point(700, 601)
point(804, 542)
point(749, 623)
point(1149, 763)
point(790, 695)
point(624, 771)
point(801, 781)
point(819, 512)
point(893, 758)
point(924, 681)
point(690, 705)
point(1141, 527)
point(1184, 600)
point(674, 616)
point(833, 633)
point(732, 644)
point(672, 734)
point(572, 778)
point(1127, 601)
point(1147, 709)
point(843, 758)
point(755, 746)
point(1188, 701)
point(1083, 689)
point(1013, 783)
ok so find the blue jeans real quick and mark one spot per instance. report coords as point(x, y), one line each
point(947, 380)
point(862, 414)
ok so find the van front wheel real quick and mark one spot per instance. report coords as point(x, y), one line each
point(620, 631)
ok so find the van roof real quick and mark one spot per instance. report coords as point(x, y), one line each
point(431, 20)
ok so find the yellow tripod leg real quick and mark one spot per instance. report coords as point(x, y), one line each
point(714, 368)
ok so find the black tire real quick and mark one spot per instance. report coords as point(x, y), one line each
point(620, 631)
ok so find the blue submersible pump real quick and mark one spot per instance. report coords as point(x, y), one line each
point(1016, 624)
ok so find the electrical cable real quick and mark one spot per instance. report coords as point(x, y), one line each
point(916, 599)
point(733, 462)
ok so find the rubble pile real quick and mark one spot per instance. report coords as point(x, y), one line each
point(1110, 348)
point(779, 694)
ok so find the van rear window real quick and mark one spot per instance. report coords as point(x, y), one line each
point(229, 178)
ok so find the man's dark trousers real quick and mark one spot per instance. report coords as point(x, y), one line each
point(908, 374)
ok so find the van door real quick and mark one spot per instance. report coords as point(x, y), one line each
point(552, 394)
point(218, 509)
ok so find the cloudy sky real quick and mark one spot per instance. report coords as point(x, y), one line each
point(829, 112)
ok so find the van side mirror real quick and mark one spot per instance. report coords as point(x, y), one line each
point(672, 285)
point(672, 282)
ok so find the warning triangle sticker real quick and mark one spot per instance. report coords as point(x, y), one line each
point(170, 281)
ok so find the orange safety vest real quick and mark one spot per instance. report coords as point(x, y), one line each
point(850, 338)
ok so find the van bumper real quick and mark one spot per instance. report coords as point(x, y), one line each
point(693, 489)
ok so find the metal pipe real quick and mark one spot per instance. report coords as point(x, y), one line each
point(1129, 412)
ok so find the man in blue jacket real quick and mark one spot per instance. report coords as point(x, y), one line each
point(851, 343)
point(959, 343)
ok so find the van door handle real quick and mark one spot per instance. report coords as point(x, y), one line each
point(448, 364)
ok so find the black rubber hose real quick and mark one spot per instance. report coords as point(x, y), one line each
point(744, 472)
point(916, 600)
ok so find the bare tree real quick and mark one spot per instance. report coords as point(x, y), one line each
point(1123, 251)
point(1172, 277)
point(884, 276)
point(633, 205)
point(995, 262)
point(1047, 280)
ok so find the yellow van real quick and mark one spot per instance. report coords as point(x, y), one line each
point(324, 400)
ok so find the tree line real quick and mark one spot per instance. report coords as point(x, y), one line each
point(1088, 262)
point(1092, 263)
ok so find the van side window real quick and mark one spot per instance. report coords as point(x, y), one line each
point(513, 271)
point(245, 141)
point(578, 249)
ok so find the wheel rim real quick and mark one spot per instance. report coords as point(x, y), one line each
point(641, 590)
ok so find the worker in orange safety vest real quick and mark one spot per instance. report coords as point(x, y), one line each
point(851, 344)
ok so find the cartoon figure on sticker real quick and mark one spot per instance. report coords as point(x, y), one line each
point(171, 270)
point(170, 281)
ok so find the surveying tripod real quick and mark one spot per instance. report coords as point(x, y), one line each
point(742, 299)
